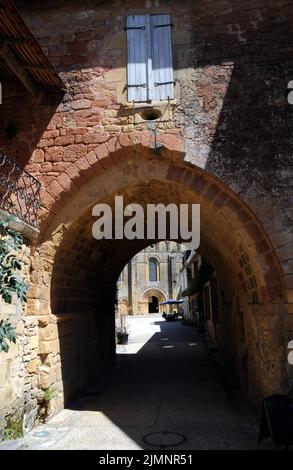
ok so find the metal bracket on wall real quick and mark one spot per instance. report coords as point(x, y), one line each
point(163, 25)
point(143, 85)
point(133, 27)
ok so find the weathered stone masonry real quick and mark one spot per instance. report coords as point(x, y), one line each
point(19, 387)
point(226, 143)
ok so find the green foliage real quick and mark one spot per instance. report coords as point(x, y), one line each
point(13, 429)
point(7, 332)
point(11, 281)
point(196, 285)
point(49, 394)
point(197, 282)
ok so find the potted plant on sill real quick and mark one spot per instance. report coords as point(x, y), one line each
point(123, 337)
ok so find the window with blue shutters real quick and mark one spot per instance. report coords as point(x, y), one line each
point(149, 58)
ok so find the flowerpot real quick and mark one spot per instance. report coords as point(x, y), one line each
point(123, 338)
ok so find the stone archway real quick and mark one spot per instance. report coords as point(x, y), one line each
point(80, 274)
point(158, 294)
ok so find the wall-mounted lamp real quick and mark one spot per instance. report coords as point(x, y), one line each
point(11, 130)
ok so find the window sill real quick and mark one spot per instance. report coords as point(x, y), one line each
point(150, 104)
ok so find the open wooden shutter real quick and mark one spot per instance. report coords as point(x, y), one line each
point(162, 63)
point(137, 60)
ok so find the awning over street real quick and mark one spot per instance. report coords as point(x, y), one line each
point(172, 302)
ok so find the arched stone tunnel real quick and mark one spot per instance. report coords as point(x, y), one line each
point(74, 276)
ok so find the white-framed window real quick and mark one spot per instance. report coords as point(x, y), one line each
point(149, 58)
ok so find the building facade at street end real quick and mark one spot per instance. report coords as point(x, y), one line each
point(160, 102)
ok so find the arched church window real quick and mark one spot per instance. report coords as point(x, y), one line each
point(153, 269)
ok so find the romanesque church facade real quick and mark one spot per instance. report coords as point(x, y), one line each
point(150, 278)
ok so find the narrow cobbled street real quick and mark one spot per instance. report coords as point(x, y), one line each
point(168, 381)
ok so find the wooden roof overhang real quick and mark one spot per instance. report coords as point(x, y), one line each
point(21, 57)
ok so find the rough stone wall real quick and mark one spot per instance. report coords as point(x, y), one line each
point(93, 353)
point(18, 368)
point(232, 63)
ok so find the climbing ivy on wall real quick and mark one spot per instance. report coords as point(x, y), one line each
point(203, 275)
point(197, 283)
point(11, 281)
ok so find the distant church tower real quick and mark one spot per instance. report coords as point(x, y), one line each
point(151, 277)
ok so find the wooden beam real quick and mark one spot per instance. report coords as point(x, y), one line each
point(36, 67)
point(17, 68)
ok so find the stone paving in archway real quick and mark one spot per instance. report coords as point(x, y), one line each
point(165, 380)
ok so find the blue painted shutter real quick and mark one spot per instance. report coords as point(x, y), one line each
point(137, 57)
point(149, 61)
point(162, 63)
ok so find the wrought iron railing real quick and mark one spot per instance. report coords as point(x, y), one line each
point(19, 191)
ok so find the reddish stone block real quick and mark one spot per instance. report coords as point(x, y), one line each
point(74, 152)
point(244, 216)
point(221, 200)
point(60, 167)
point(64, 140)
point(135, 137)
point(46, 198)
point(262, 247)
point(33, 168)
point(76, 131)
point(124, 140)
point(91, 157)
point(102, 151)
point(198, 183)
point(64, 181)
point(52, 134)
point(233, 204)
point(96, 138)
point(86, 170)
point(78, 139)
point(175, 173)
point(95, 164)
point(38, 156)
point(147, 139)
point(55, 190)
point(73, 172)
point(212, 192)
point(82, 163)
point(54, 154)
point(254, 231)
point(102, 103)
point(113, 145)
point(186, 177)
point(46, 167)
point(43, 143)
point(171, 142)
